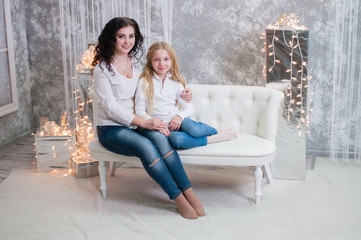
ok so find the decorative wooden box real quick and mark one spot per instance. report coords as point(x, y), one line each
point(85, 168)
point(52, 152)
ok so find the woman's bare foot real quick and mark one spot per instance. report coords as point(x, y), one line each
point(194, 201)
point(222, 135)
point(185, 208)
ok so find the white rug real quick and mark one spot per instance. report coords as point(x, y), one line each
point(53, 206)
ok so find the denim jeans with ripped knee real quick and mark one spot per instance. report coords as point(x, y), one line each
point(158, 157)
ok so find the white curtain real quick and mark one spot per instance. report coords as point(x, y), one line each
point(346, 103)
point(167, 18)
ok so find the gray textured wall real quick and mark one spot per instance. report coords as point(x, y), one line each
point(217, 42)
point(46, 61)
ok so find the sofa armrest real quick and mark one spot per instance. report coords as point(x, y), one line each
point(94, 100)
point(269, 120)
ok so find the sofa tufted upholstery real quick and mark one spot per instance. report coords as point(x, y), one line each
point(251, 111)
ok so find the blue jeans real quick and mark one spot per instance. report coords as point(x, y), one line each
point(167, 171)
point(191, 134)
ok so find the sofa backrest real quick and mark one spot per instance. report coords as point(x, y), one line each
point(246, 109)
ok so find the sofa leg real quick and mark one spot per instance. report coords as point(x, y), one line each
point(258, 183)
point(102, 168)
point(112, 168)
point(268, 173)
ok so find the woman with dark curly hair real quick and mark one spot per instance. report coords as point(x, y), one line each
point(116, 74)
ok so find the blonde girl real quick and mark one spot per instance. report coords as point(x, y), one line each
point(158, 94)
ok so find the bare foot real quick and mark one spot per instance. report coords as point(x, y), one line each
point(184, 207)
point(222, 135)
point(194, 201)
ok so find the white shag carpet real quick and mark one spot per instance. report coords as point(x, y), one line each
point(53, 206)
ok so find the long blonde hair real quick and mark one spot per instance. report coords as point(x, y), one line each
point(148, 87)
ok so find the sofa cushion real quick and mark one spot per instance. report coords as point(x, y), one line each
point(245, 145)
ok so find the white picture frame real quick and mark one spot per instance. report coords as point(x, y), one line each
point(13, 105)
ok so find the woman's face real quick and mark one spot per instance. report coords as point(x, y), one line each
point(125, 40)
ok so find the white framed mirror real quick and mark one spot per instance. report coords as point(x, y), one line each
point(8, 92)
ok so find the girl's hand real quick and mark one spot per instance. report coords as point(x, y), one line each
point(175, 123)
point(186, 95)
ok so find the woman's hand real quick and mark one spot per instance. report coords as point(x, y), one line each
point(157, 124)
point(165, 131)
point(186, 95)
point(154, 124)
point(175, 123)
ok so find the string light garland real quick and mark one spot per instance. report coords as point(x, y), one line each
point(50, 128)
point(84, 128)
point(86, 60)
point(284, 51)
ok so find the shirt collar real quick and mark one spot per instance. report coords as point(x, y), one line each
point(158, 78)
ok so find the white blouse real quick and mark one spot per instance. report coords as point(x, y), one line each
point(164, 101)
point(115, 94)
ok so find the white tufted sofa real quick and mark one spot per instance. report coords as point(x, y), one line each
point(251, 111)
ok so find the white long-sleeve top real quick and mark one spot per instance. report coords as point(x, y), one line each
point(164, 101)
point(115, 94)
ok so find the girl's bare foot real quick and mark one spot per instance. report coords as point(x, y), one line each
point(194, 201)
point(222, 135)
point(185, 208)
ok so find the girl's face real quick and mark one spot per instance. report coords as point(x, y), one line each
point(161, 62)
point(125, 40)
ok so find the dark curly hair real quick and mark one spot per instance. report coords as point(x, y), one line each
point(106, 41)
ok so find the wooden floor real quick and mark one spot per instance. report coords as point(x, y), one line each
point(19, 155)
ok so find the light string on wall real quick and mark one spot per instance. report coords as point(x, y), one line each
point(286, 51)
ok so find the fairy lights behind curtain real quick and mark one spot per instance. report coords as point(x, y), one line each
point(346, 103)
